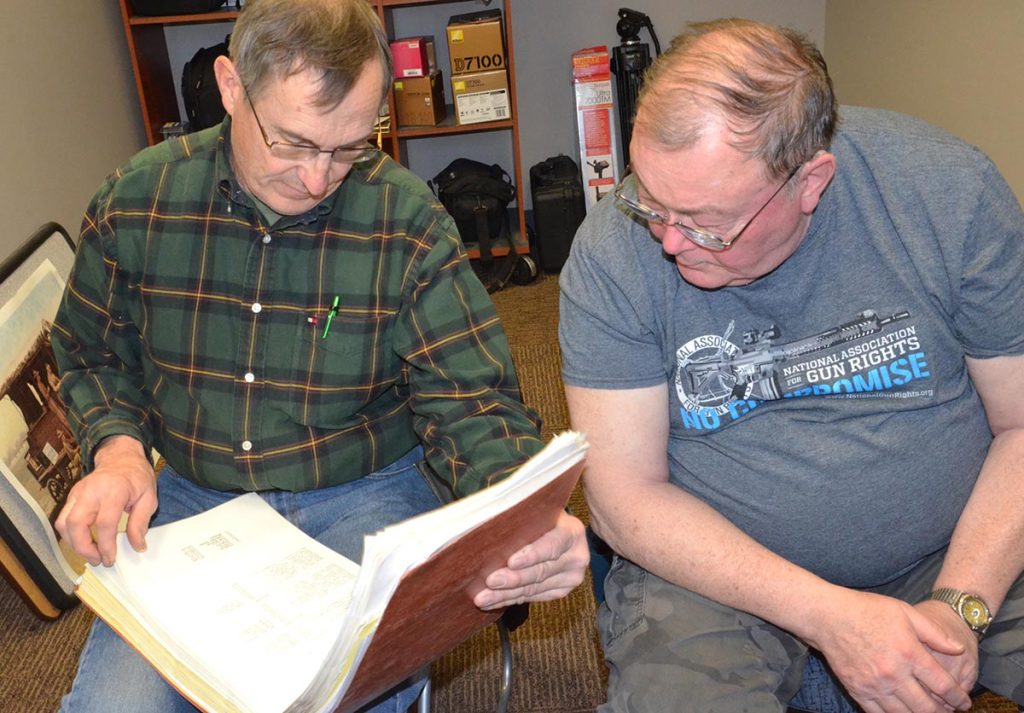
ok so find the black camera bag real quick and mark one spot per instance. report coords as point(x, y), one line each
point(199, 91)
point(477, 196)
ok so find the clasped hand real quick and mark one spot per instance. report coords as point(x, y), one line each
point(121, 482)
point(546, 569)
point(893, 657)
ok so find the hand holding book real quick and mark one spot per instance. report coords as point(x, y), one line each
point(121, 482)
point(546, 569)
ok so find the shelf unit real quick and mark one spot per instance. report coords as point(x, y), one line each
point(155, 82)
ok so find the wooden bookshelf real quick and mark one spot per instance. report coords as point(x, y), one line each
point(156, 84)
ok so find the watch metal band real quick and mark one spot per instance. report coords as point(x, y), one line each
point(969, 607)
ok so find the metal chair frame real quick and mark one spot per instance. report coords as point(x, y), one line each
point(504, 694)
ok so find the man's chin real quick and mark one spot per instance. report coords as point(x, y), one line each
point(705, 277)
point(285, 205)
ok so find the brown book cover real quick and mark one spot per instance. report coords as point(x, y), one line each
point(432, 610)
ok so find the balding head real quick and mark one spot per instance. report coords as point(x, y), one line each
point(769, 86)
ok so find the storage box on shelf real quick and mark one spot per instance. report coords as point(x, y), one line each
point(413, 56)
point(419, 101)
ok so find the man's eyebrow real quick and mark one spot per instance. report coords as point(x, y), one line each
point(646, 197)
point(292, 137)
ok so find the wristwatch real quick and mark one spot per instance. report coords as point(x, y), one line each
point(970, 607)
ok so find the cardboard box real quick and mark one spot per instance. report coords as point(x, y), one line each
point(419, 101)
point(481, 96)
point(413, 56)
point(476, 42)
point(595, 123)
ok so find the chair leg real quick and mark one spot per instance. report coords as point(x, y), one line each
point(505, 692)
point(506, 667)
point(423, 703)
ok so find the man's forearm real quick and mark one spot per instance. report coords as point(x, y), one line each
point(986, 554)
point(683, 540)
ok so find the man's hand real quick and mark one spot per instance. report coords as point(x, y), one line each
point(121, 481)
point(962, 667)
point(894, 657)
point(546, 569)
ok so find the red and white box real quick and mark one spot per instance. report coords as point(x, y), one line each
point(595, 123)
point(413, 56)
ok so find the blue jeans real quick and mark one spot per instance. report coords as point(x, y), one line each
point(113, 678)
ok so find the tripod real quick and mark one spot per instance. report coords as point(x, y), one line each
point(629, 61)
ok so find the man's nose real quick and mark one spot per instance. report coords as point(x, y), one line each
point(673, 241)
point(315, 174)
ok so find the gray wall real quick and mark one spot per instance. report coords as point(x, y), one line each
point(956, 64)
point(69, 113)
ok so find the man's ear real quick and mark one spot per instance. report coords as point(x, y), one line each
point(232, 93)
point(814, 179)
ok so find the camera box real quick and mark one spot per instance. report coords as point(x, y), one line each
point(595, 123)
point(476, 42)
point(419, 101)
point(481, 96)
point(413, 56)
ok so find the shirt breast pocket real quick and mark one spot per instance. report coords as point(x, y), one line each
point(337, 375)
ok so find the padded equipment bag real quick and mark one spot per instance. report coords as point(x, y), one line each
point(477, 196)
point(558, 208)
point(199, 91)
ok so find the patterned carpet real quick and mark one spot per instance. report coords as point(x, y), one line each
point(557, 663)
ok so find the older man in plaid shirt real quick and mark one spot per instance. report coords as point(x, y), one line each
point(276, 306)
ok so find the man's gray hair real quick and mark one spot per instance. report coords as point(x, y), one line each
point(273, 39)
point(769, 85)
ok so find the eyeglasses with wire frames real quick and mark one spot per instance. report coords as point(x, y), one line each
point(288, 151)
point(703, 238)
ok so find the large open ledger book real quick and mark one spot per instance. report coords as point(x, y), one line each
point(241, 611)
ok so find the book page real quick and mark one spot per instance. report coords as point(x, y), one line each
point(250, 599)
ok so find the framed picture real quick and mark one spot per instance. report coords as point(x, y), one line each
point(39, 459)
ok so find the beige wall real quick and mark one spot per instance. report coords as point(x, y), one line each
point(69, 113)
point(955, 63)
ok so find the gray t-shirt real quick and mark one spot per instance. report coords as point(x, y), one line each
point(825, 409)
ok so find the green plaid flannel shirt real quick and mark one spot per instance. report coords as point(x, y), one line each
point(188, 323)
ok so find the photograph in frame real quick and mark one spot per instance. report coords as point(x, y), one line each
point(39, 458)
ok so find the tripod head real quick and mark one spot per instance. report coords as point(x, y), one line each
point(629, 25)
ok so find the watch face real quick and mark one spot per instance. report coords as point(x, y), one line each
point(974, 612)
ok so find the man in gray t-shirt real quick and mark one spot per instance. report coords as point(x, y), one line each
point(814, 438)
